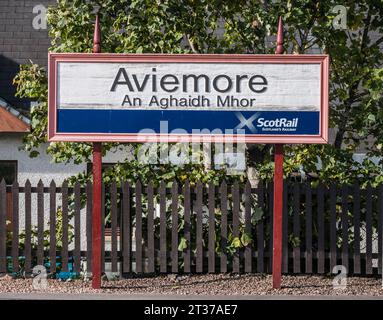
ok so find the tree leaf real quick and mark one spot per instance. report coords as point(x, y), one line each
point(183, 244)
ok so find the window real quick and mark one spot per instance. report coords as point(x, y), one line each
point(8, 171)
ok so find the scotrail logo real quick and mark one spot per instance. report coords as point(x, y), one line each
point(256, 122)
point(279, 124)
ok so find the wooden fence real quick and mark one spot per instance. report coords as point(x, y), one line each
point(192, 228)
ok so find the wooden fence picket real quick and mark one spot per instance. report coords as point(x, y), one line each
point(65, 222)
point(211, 223)
point(139, 266)
point(52, 226)
point(260, 230)
point(270, 191)
point(174, 251)
point(285, 229)
point(114, 221)
point(369, 229)
point(150, 226)
point(89, 197)
point(187, 227)
point(199, 243)
point(309, 228)
point(163, 250)
point(223, 194)
point(321, 228)
point(296, 229)
point(356, 212)
point(28, 227)
point(77, 227)
point(40, 223)
point(248, 228)
point(15, 227)
point(3, 227)
point(126, 229)
point(326, 216)
point(103, 227)
point(235, 217)
point(333, 239)
point(344, 217)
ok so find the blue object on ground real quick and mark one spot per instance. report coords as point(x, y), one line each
point(62, 275)
point(70, 274)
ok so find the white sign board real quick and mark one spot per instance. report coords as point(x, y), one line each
point(113, 97)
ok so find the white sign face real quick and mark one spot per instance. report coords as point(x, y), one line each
point(130, 97)
point(181, 86)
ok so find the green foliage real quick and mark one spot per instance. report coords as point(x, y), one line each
point(46, 234)
point(32, 83)
point(217, 26)
point(183, 244)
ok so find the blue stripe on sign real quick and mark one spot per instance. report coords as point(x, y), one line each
point(135, 121)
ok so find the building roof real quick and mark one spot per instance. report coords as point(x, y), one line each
point(11, 120)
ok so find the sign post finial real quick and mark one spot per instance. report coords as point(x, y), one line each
point(280, 48)
point(97, 36)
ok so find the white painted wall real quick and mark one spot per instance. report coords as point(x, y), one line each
point(43, 168)
point(34, 169)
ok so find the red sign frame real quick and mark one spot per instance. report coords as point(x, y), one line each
point(55, 58)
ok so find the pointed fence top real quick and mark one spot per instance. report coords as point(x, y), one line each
point(279, 49)
point(97, 36)
point(138, 184)
point(77, 186)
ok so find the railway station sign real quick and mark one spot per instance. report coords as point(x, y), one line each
point(148, 97)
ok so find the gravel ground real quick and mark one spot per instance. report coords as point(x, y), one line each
point(222, 284)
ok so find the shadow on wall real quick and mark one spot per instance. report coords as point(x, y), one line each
point(8, 70)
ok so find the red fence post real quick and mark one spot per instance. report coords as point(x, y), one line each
point(278, 192)
point(97, 178)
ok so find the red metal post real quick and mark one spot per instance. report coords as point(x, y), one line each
point(277, 221)
point(278, 192)
point(97, 180)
